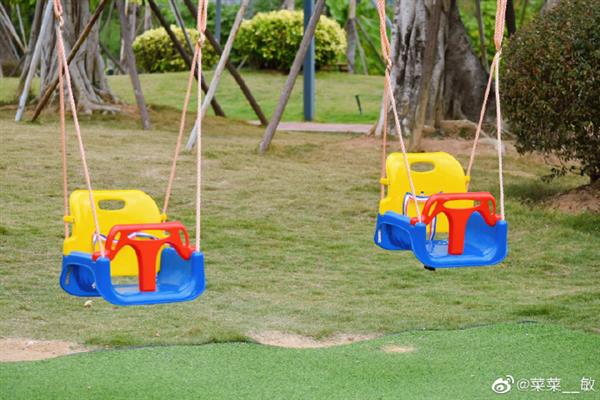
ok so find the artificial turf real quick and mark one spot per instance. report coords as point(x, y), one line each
point(459, 364)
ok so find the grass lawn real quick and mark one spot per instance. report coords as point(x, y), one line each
point(335, 94)
point(287, 237)
point(288, 245)
point(425, 365)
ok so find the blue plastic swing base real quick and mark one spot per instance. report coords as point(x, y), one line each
point(484, 245)
point(178, 279)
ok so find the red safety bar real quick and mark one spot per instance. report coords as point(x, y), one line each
point(458, 217)
point(147, 249)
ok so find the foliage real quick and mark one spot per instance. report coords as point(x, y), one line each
point(258, 6)
point(306, 271)
point(271, 40)
point(367, 28)
point(488, 16)
point(552, 86)
point(228, 13)
point(154, 51)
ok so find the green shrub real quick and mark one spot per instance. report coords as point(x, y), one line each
point(154, 51)
point(551, 86)
point(271, 40)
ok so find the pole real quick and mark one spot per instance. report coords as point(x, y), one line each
point(232, 70)
point(214, 84)
point(309, 66)
point(482, 47)
point(186, 57)
point(219, 7)
point(35, 58)
point(126, 27)
point(291, 79)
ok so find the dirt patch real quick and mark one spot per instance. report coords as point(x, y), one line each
point(580, 199)
point(19, 349)
point(294, 341)
point(393, 348)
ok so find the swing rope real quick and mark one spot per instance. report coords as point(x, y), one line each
point(63, 73)
point(495, 75)
point(201, 22)
point(196, 65)
point(389, 100)
point(186, 103)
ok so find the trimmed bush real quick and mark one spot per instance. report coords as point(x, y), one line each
point(271, 40)
point(154, 51)
point(551, 87)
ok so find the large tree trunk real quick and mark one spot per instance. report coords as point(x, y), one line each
point(452, 87)
point(90, 86)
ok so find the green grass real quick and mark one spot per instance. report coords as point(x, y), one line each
point(288, 245)
point(335, 94)
point(287, 238)
point(442, 365)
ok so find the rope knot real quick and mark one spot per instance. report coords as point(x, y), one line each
point(58, 13)
point(388, 66)
point(201, 39)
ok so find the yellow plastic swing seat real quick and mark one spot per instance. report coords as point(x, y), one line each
point(114, 207)
point(431, 173)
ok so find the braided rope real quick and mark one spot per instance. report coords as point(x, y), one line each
point(196, 65)
point(186, 102)
point(388, 100)
point(63, 143)
point(495, 76)
point(64, 69)
point(201, 22)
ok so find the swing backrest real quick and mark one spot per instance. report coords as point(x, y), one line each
point(114, 207)
point(431, 173)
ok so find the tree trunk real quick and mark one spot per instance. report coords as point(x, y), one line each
point(351, 36)
point(482, 48)
point(147, 17)
point(90, 87)
point(33, 36)
point(288, 4)
point(127, 40)
point(131, 19)
point(511, 20)
point(456, 80)
point(433, 26)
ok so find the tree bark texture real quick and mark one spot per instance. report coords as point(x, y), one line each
point(456, 80)
point(90, 87)
point(126, 40)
